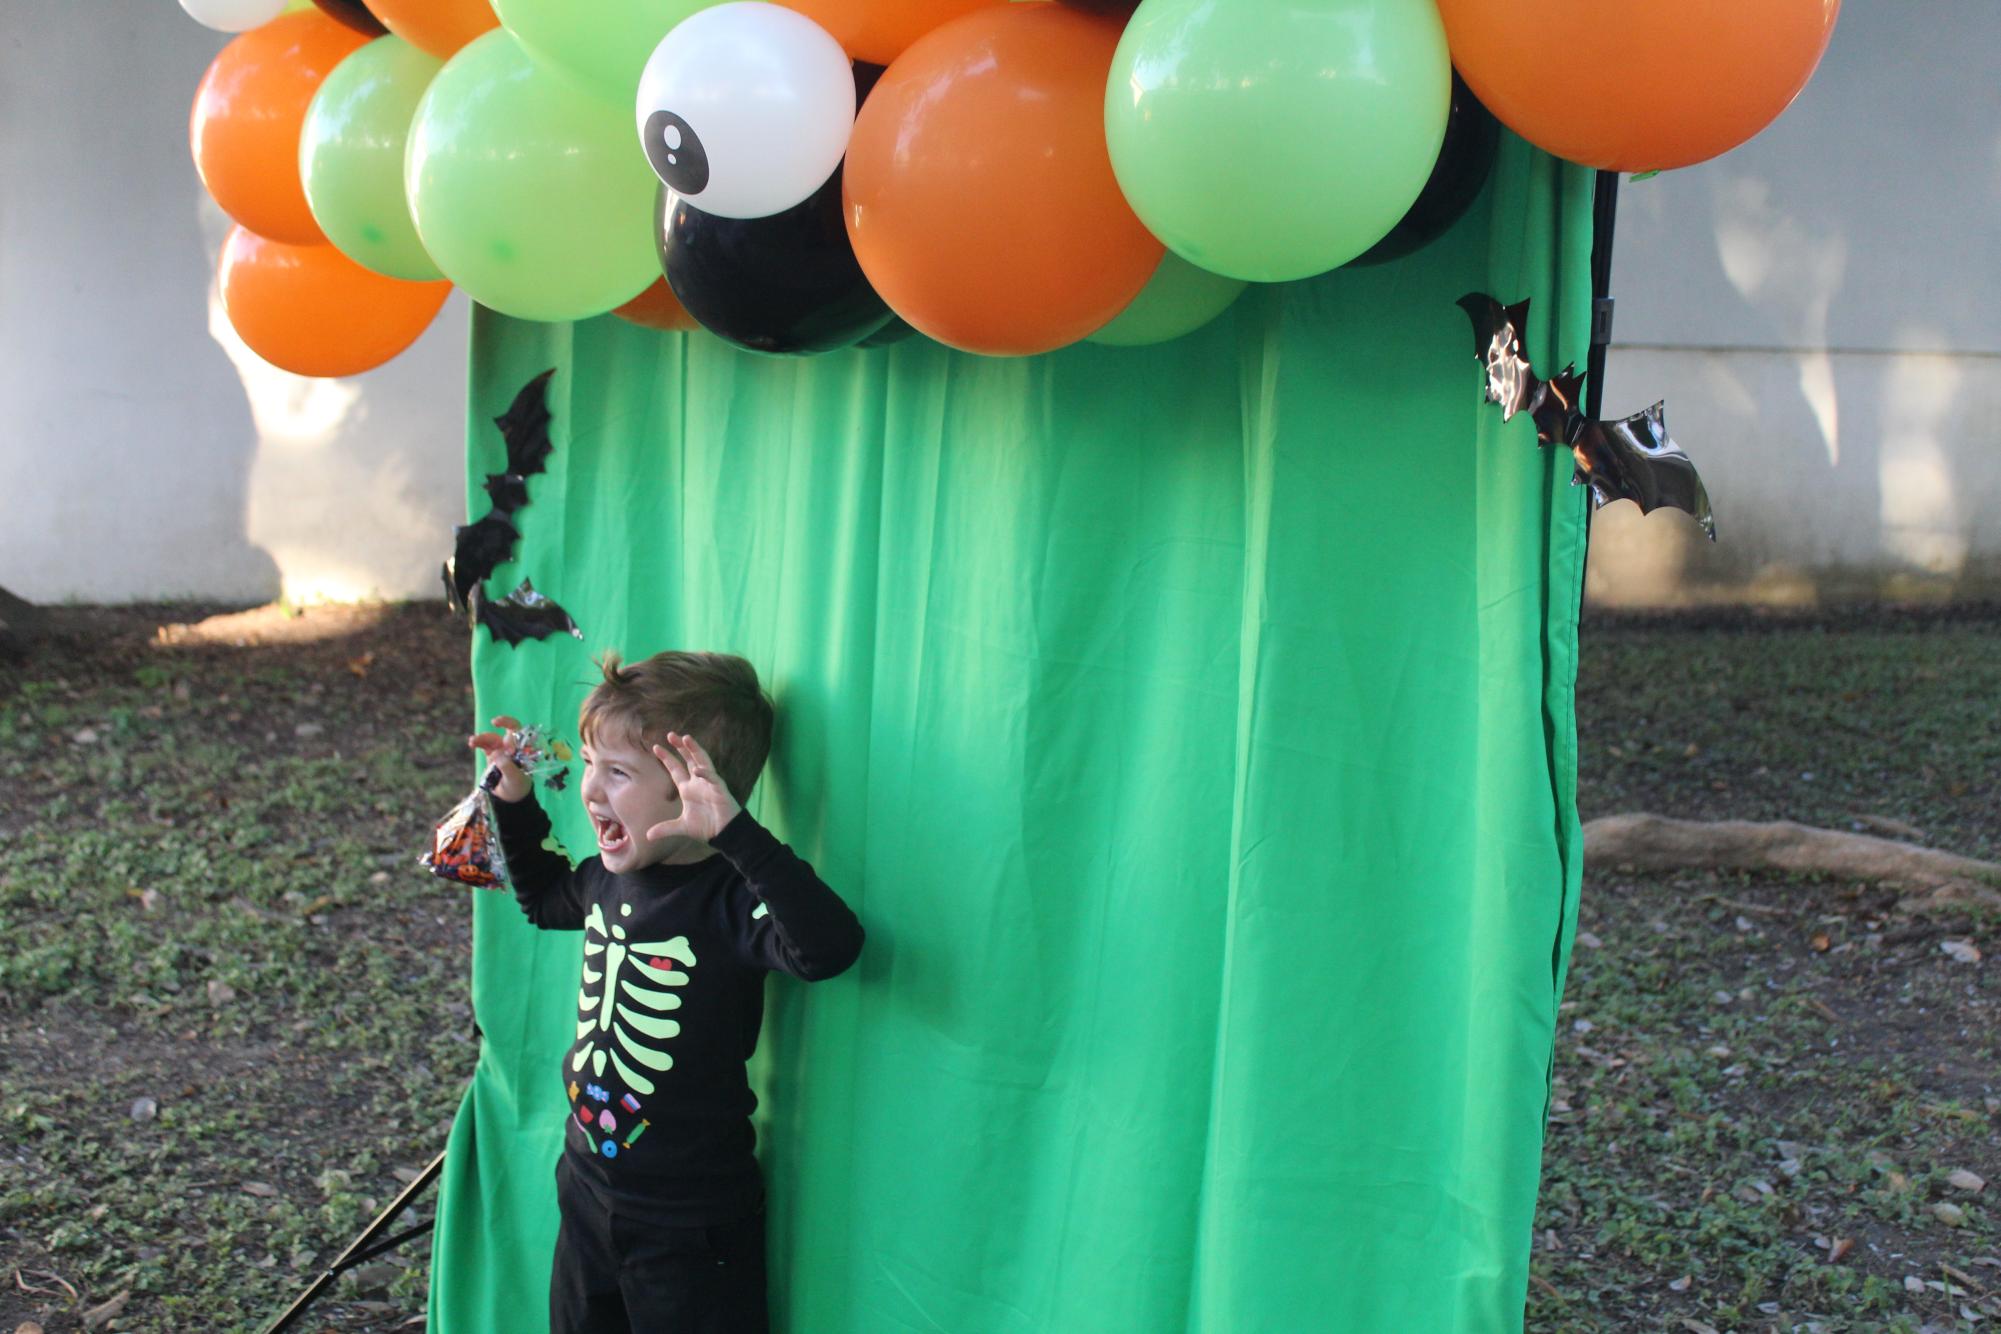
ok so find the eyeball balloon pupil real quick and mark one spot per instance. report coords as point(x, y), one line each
point(676, 152)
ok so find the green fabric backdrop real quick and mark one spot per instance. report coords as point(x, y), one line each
point(1191, 726)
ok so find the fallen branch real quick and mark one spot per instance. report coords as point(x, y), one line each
point(1655, 843)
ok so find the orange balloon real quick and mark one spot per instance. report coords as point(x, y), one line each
point(1637, 85)
point(440, 27)
point(311, 310)
point(244, 129)
point(881, 30)
point(979, 192)
point(657, 308)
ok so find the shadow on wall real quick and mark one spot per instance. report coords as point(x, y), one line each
point(354, 484)
point(154, 456)
point(1810, 308)
point(127, 462)
point(1836, 472)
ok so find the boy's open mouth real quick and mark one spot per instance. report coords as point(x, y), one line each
point(611, 834)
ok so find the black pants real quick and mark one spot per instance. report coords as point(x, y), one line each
point(615, 1275)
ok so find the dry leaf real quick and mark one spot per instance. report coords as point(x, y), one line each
point(1696, 1326)
point(97, 1316)
point(1961, 951)
point(27, 1327)
point(1965, 1180)
point(1820, 942)
point(260, 1189)
point(1841, 1247)
point(144, 1109)
point(1949, 1214)
point(1681, 1284)
point(1589, 941)
point(359, 666)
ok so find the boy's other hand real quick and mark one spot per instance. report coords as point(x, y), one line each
point(706, 803)
point(513, 784)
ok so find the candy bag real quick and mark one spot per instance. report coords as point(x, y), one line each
point(465, 846)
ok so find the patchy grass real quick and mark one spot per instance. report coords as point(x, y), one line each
point(1776, 1099)
point(1764, 1086)
point(1838, 721)
point(233, 1015)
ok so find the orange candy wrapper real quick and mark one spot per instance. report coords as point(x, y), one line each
point(465, 846)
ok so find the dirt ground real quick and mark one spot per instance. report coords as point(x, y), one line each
point(224, 957)
point(234, 1021)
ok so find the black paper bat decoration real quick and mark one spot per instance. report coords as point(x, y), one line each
point(525, 427)
point(482, 548)
point(1632, 458)
point(522, 614)
point(484, 545)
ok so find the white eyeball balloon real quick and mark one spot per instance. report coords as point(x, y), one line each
point(745, 109)
point(233, 15)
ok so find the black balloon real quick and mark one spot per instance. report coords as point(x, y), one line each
point(893, 332)
point(354, 14)
point(1472, 138)
point(787, 284)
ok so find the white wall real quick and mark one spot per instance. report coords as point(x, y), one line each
point(1821, 309)
point(147, 455)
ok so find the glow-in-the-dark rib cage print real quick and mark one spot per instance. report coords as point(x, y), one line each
point(617, 1008)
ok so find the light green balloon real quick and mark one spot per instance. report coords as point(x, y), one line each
point(602, 45)
point(351, 156)
point(527, 191)
point(1276, 139)
point(1177, 300)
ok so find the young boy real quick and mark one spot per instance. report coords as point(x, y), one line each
point(685, 907)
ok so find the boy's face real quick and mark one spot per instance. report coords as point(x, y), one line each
point(627, 791)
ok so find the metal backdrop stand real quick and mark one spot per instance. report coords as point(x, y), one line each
point(365, 1246)
point(1604, 212)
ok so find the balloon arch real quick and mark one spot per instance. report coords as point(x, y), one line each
point(1005, 178)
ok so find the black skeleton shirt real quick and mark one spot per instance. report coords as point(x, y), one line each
point(672, 1000)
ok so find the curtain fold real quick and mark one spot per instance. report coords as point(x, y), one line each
point(1192, 728)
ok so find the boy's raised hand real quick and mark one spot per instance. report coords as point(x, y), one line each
point(513, 784)
point(706, 803)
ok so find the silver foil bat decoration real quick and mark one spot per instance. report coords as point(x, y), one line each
point(1632, 458)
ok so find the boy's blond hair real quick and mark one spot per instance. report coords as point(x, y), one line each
point(713, 697)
